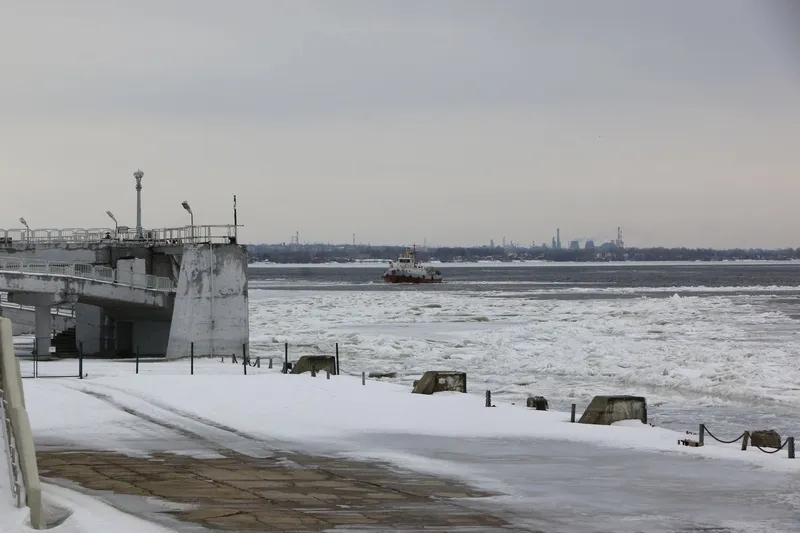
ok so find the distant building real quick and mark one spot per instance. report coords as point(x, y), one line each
point(575, 245)
point(589, 245)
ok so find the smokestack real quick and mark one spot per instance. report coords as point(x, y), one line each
point(558, 238)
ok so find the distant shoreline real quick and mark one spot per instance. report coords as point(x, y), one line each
point(532, 263)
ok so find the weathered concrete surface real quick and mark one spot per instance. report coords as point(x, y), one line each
point(765, 438)
point(441, 381)
point(319, 363)
point(292, 493)
point(211, 302)
point(609, 409)
point(83, 290)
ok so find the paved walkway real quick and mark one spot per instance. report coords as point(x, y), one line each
point(291, 493)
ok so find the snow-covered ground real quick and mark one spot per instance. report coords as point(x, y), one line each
point(554, 475)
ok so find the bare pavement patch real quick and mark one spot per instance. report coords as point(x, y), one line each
point(292, 493)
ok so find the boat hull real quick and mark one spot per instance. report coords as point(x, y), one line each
point(399, 278)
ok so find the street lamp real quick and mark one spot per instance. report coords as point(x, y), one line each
point(116, 224)
point(27, 228)
point(138, 175)
point(186, 206)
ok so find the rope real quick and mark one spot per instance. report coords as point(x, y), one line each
point(776, 450)
point(725, 441)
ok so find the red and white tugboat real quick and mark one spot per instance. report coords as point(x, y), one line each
point(408, 270)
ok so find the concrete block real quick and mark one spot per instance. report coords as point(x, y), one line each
point(441, 381)
point(317, 363)
point(379, 375)
point(211, 302)
point(609, 409)
point(765, 438)
point(537, 402)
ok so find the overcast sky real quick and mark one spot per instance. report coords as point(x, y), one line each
point(451, 121)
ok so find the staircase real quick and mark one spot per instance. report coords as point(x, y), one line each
point(65, 344)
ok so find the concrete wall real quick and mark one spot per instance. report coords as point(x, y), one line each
point(211, 303)
point(127, 268)
point(90, 329)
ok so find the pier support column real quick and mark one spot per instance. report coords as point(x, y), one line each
point(44, 324)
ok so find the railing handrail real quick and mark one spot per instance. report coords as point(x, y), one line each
point(97, 273)
point(177, 235)
point(60, 311)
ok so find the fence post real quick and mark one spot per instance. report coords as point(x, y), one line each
point(285, 357)
point(191, 359)
point(244, 364)
point(701, 434)
point(572, 413)
point(137, 360)
point(363, 378)
point(80, 360)
point(488, 398)
point(327, 374)
point(745, 438)
point(270, 362)
point(337, 359)
point(790, 445)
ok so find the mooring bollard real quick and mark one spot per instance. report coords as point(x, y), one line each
point(701, 434)
point(363, 378)
point(790, 446)
point(488, 398)
point(572, 413)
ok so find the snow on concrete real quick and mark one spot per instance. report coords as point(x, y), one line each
point(298, 408)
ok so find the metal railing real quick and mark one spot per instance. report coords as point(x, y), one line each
point(12, 457)
point(61, 311)
point(101, 274)
point(164, 236)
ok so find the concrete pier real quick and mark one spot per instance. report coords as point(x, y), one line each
point(155, 294)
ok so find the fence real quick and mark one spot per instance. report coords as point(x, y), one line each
point(39, 366)
point(24, 471)
point(745, 437)
point(21, 237)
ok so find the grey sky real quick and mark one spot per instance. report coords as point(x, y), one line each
point(455, 121)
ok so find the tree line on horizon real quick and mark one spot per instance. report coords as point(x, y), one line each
point(318, 253)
